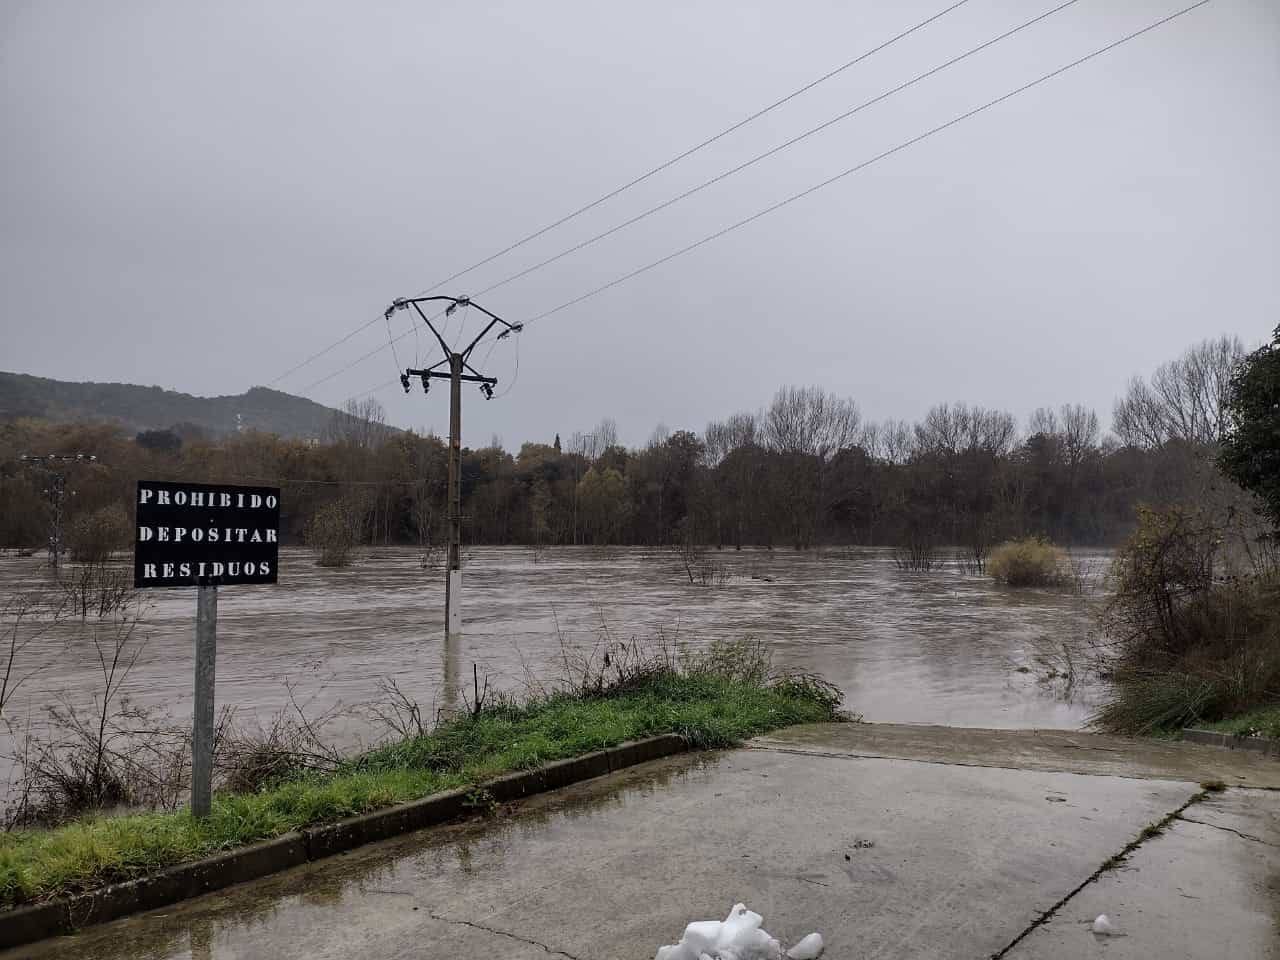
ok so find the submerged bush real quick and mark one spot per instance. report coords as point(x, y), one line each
point(93, 537)
point(335, 531)
point(1026, 563)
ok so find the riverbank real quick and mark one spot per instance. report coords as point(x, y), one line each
point(891, 840)
point(709, 701)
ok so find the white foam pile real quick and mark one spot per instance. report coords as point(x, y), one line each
point(739, 936)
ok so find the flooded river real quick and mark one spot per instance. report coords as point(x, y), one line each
point(944, 647)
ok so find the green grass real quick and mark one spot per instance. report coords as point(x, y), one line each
point(707, 709)
point(1262, 722)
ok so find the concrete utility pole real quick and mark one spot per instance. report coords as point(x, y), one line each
point(453, 564)
point(56, 491)
point(460, 370)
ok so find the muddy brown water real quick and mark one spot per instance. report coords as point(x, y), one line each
point(944, 647)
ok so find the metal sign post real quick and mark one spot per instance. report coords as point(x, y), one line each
point(202, 535)
point(202, 730)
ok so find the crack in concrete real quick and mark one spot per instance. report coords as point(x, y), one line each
point(503, 933)
point(1148, 832)
point(1238, 833)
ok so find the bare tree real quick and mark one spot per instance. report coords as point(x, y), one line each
point(951, 429)
point(1080, 433)
point(1043, 421)
point(807, 427)
point(730, 449)
point(897, 441)
point(592, 445)
point(1185, 399)
point(1073, 429)
point(723, 437)
point(360, 423)
point(810, 421)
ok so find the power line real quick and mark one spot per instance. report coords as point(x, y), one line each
point(775, 150)
point(391, 342)
point(360, 359)
point(640, 179)
point(317, 355)
point(851, 170)
point(723, 176)
point(381, 386)
point(694, 149)
point(515, 377)
point(864, 164)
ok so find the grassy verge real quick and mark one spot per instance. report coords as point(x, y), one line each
point(710, 707)
point(1263, 722)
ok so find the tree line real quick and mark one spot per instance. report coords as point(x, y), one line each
point(804, 470)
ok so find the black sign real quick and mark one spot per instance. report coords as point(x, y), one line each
point(198, 533)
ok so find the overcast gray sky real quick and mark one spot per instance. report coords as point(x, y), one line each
point(201, 195)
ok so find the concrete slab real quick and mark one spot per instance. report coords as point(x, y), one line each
point(1209, 886)
point(885, 857)
point(1066, 750)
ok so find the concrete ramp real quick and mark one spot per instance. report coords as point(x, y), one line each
point(1067, 751)
point(893, 842)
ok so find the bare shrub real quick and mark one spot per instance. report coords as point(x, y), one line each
point(28, 619)
point(970, 561)
point(397, 711)
point(917, 555)
point(1027, 563)
point(109, 754)
point(248, 758)
point(93, 537)
point(480, 696)
point(1060, 664)
point(723, 574)
point(699, 566)
point(690, 556)
point(97, 589)
point(614, 665)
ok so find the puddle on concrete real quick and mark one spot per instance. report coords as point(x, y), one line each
point(385, 878)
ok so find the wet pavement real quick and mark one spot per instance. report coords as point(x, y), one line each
point(887, 857)
point(942, 647)
point(1209, 886)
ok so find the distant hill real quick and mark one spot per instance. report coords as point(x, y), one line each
point(139, 408)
